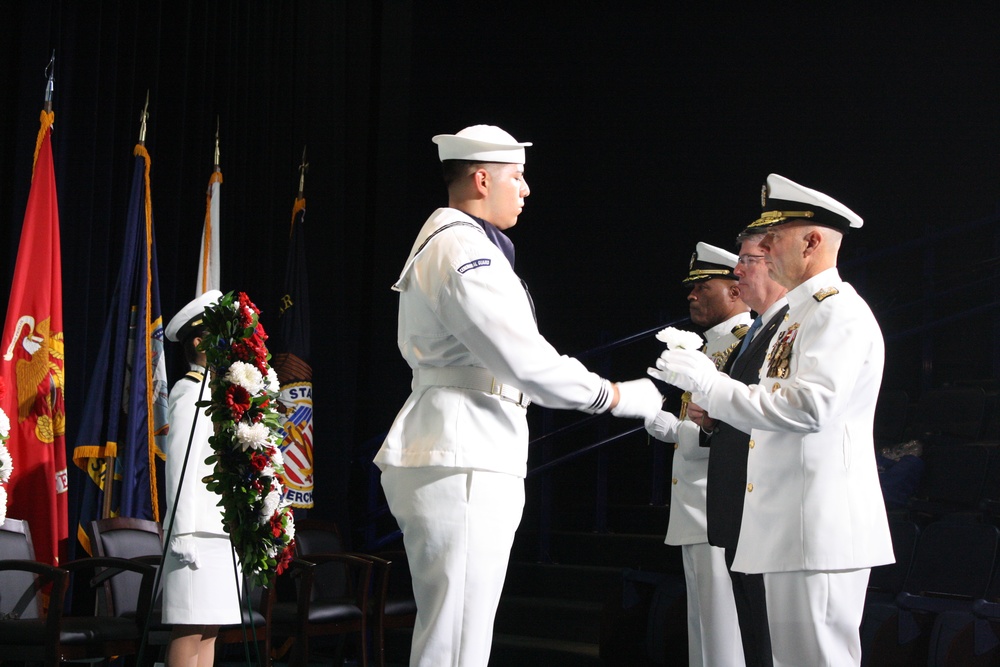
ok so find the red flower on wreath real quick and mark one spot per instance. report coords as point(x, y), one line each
point(237, 400)
point(242, 351)
point(277, 528)
point(285, 557)
point(247, 310)
point(258, 461)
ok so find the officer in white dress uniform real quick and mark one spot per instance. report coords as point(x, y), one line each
point(814, 521)
point(200, 589)
point(713, 627)
point(455, 457)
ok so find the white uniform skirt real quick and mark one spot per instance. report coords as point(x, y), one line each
point(208, 594)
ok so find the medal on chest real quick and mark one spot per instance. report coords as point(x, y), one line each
point(779, 358)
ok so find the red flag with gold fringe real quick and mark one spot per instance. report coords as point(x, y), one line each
point(32, 366)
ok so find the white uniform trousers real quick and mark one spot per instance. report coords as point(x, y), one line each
point(815, 617)
point(458, 527)
point(713, 626)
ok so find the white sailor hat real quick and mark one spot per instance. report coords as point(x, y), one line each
point(782, 200)
point(480, 143)
point(190, 316)
point(709, 262)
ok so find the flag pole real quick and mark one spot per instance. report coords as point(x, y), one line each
point(143, 117)
point(47, 115)
point(216, 163)
point(50, 81)
point(109, 461)
point(303, 168)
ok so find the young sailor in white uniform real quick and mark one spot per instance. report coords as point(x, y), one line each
point(455, 457)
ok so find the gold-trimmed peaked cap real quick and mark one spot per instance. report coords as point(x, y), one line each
point(709, 262)
point(190, 317)
point(782, 200)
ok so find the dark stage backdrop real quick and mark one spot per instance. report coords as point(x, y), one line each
point(653, 130)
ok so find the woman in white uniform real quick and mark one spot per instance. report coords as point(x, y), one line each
point(200, 582)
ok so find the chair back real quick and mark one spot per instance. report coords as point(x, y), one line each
point(949, 415)
point(15, 544)
point(313, 536)
point(130, 538)
point(15, 540)
point(890, 578)
point(890, 416)
point(954, 559)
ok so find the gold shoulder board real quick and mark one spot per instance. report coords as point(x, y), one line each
point(740, 330)
point(194, 376)
point(825, 292)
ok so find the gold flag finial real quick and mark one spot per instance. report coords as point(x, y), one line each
point(142, 121)
point(303, 168)
point(50, 81)
point(217, 163)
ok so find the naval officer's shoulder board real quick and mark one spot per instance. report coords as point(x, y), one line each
point(825, 293)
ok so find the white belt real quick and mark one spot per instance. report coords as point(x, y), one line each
point(469, 377)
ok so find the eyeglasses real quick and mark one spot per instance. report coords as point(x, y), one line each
point(747, 260)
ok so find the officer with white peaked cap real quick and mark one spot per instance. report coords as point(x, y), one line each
point(200, 591)
point(189, 318)
point(716, 307)
point(453, 462)
point(814, 521)
point(710, 262)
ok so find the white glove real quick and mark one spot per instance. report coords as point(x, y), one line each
point(688, 369)
point(185, 549)
point(663, 426)
point(637, 398)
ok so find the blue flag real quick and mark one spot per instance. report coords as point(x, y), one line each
point(291, 362)
point(125, 415)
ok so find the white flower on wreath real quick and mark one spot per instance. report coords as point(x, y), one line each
point(253, 436)
point(6, 465)
point(277, 459)
point(271, 503)
point(247, 376)
point(273, 385)
point(4, 425)
point(289, 527)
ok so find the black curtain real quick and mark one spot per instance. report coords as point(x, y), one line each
point(275, 77)
point(651, 132)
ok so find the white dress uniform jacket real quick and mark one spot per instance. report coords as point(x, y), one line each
point(190, 515)
point(463, 313)
point(204, 592)
point(689, 475)
point(813, 499)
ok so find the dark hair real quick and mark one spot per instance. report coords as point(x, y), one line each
point(453, 170)
point(191, 352)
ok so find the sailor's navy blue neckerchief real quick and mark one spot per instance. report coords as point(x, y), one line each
point(506, 246)
point(497, 238)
